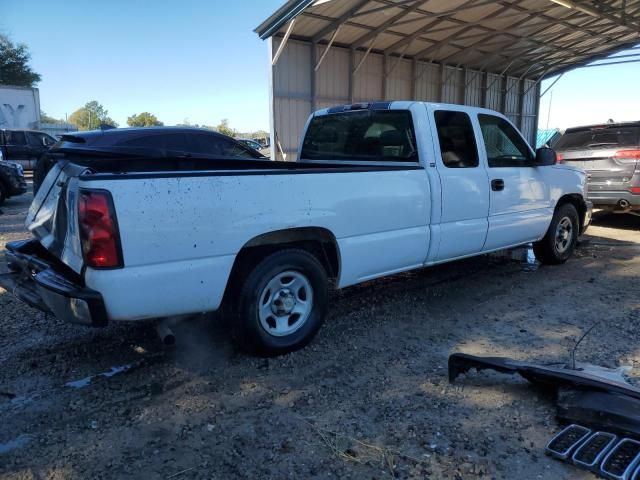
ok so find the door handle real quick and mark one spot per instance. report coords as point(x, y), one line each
point(497, 185)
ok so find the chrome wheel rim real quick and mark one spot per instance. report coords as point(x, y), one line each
point(285, 303)
point(564, 235)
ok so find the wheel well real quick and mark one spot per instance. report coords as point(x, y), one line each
point(319, 242)
point(578, 202)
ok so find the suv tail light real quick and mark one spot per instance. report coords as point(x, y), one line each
point(99, 230)
point(559, 158)
point(628, 156)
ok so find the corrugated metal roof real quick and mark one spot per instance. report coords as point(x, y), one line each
point(531, 38)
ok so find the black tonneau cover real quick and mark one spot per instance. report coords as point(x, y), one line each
point(116, 161)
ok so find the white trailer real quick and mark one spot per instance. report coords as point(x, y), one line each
point(19, 107)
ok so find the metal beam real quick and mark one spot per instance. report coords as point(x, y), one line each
point(339, 21)
point(385, 25)
point(284, 42)
point(595, 11)
point(425, 28)
point(552, 84)
point(326, 50)
point(364, 57)
point(380, 9)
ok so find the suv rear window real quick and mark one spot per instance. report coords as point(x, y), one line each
point(364, 135)
point(600, 137)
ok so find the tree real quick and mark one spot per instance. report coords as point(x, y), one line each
point(144, 119)
point(91, 116)
point(44, 118)
point(224, 128)
point(14, 64)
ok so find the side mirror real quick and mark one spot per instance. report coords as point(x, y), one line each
point(546, 156)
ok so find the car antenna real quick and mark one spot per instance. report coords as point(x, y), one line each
point(575, 347)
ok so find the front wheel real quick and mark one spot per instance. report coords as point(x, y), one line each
point(557, 245)
point(282, 303)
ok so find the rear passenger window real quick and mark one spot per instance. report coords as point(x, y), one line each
point(36, 139)
point(233, 149)
point(148, 141)
point(16, 138)
point(206, 145)
point(373, 135)
point(457, 140)
point(176, 142)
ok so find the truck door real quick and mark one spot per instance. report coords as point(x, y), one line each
point(520, 198)
point(464, 184)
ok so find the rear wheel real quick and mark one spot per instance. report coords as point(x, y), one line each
point(282, 303)
point(557, 245)
point(3, 194)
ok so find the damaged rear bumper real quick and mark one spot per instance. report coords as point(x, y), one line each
point(43, 282)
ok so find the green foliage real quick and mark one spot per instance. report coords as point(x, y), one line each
point(44, 118)
point(14, 64)
point(144, 119)
point(91, 116)
point(224, 128)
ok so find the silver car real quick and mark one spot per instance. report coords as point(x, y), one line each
point(610, 154)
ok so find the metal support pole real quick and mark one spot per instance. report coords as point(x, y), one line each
point(464, 86)
point(443, 74)
point(414, 82)
point(521, 104)
point(485, 83)
point(503, 95)
point(385, 76)
point(314, 70)
point(352, 60)
point(537, 120)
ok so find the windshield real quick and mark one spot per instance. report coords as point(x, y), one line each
point(600, 137)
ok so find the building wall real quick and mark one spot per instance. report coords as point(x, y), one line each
point(298, 90)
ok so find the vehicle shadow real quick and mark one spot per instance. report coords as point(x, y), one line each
point(623, 221)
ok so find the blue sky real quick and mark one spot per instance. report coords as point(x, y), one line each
point(200, 60)
point(195, 59)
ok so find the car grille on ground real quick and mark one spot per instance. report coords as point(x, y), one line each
point(600, 452)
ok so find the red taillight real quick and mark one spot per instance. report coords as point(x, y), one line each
point(98, 230)
point(628, 155)
point(635, 190)
point(559, 158)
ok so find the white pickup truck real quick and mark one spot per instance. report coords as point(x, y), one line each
point(380, 188)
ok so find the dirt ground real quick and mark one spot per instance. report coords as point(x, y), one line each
point(369, 398)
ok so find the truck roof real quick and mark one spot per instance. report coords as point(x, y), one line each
point(400, 105)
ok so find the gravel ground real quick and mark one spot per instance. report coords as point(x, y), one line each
point(369, 398)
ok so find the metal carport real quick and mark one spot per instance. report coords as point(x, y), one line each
point(474, 52)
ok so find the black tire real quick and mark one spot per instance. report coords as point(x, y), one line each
point(552, 249)
point(250, 328)
point(3, 194)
